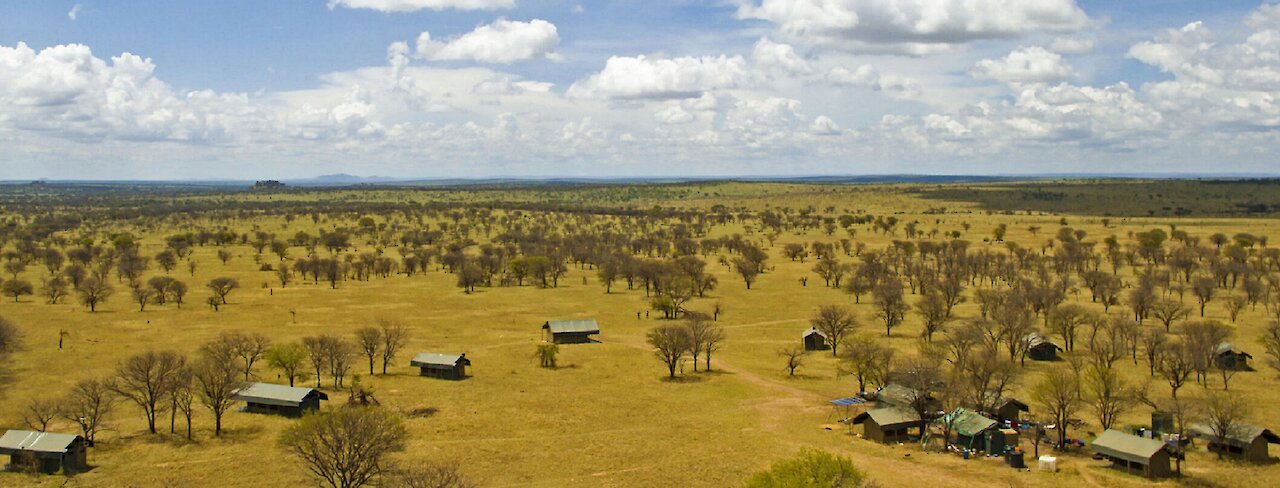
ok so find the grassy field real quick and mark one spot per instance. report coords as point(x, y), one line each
point(607, 417)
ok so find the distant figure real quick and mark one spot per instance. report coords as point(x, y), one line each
point(271, 292)
point(637, 315)
point(646, 314)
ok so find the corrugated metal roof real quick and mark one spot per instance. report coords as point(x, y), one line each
point(26, 440)
point(588, 326)
point(434, 359)
point(272, 394)
point(1128, 447)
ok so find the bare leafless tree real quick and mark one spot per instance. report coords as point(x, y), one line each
point(216, 381)
point(835, 323)
point(38, 412)
point(369, 340)
point(146, 379)
point(394, 337)
point(348, 447)
point(670, 343)
point(794, 357)
point(88, 405)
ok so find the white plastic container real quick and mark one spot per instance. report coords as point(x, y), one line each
point(1049, 464)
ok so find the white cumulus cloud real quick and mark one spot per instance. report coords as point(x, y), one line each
point(1024, 65)
point(913, 26)
point(642, 77)
point(502, 42)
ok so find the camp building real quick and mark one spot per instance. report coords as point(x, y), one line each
point(887, 424)
point(1040, 348)
point(51, 451)
point(1247, 442)
point(1132, 451)
point(445, 366)
point(279, 399)
point(815, 340)
point(570, 331)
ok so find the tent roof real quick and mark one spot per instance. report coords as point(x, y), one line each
point(1229, 348)
point(588, 326)
point(885, 417)
point(1128, 447)
point(811, 331)
point(271, 394)
point(1243, 436)
point(966, 422)
point(1035, 339)
point(26, 440)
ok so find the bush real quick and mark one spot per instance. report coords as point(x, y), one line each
point(812, 468)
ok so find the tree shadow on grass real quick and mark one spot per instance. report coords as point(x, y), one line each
point(683, 379)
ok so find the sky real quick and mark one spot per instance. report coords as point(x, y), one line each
point(258, 89)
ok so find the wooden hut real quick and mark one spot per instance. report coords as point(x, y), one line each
point(1040, 348)
point(444, 366)
point(1010, 410)
point(887, 424)
point(815, 340)
point(1228, 357)
point(1247, 442)
point(1132, 451)
point(279, 399)
point(51, 452)
point(570, 331)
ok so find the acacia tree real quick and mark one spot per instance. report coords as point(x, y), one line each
point(1058, 394)
point(670, 343)
point(217, 381)
point(221, 287)
point(794, 357)
point(394, 337)
point(1168, 311)
point(747, 269)
point(933, 311)
point(890, 306)
point(290, 359)
point(348, 447)
point(369, 339)
point(147, 378)
point(1108, 393)
point(1224, 415)
point(868, 360)
point(88, 405)
point(93, 292)
point(834, 322)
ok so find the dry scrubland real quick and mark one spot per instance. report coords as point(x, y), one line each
point(607, 416)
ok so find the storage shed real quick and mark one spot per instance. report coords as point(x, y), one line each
point(887, 424)
point(815, 340)
point(51, 451)
point(570, 331)
point(1010, 410)
point(1228, 356)
point(1247, 442)
point(1040, 348)
point(444, 366)
point(279, 399)
point(1132, 452)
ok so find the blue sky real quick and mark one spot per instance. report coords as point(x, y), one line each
point(292, 88)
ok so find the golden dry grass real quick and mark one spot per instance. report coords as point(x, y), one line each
point(607, 417)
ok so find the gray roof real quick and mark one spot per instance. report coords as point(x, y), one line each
point(434, 359)
point(587, 326)
point(888, 417)
point(1035, 339)
point(270, 394)
point(25, 440)
point(811, 331)
point(1119, 445)
point(1228, 347)
point(1243, 436)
